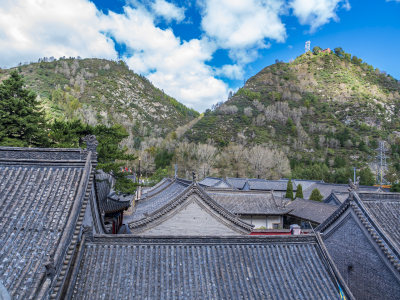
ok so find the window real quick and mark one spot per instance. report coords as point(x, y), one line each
point(275, 226)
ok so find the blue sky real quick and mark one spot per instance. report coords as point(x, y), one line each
point(197, 51)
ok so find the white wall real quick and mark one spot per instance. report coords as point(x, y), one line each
point(274, 220)
point(263, 221)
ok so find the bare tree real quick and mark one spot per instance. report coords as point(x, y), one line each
point(206, 155)
point(266, 162)
point(232, 160)
point(185, 155)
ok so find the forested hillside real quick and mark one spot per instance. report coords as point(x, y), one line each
point(99, 91)
point(325, 112)
point(316, 117)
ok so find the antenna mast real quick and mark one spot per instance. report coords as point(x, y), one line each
point(307, 46)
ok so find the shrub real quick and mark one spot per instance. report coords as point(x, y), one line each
point(316, 195)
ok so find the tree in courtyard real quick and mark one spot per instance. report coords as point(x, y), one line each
point(316, 195)
point(289, 190)
point(299, 192)
point(22, 122)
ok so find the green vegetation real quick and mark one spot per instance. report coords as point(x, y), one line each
point(22, 123)
point(328, 110)
point(99, 91)
point(395, 187)
point(316, 195)
point(289, 190)
point(315, 118)
point(299, 191)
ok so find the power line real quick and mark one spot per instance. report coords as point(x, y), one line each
point(381, 162)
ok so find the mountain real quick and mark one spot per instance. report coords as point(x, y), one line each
point(107, 92)
point(324, 108)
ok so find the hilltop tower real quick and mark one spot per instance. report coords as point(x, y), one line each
point(307, 46)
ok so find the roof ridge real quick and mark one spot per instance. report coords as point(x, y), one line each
point(42, 154)
point(181, 198)
point(364, 215)
point(383, 235)
point(57, 285)
point(195, 239)
point(332, 267)
point(157, 192)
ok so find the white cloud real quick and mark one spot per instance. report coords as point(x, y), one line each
point(168, 10)
point(237, 24)
point(317, 12)
point(230, 71)
point(175, 66)
point(30, 29)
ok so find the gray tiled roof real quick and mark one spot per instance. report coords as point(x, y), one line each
point(385, 209)
point(109, 201)
point(103, 185)
point(210, 181)
point(148, 192)
point(327, 188)
point(151, 204)
point(237, 183)
point(114, 203)
point(337, 198)
point(204, 268)
point(215, 182)
point(247, 202)
point(379, 214)
point(310, 210)
point(269, 185)
point(41, 192)
point(305, 184)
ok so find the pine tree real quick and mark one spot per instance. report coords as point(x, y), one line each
point(299, 192)
point(289, 190)
point(22, 123)
point(316, 195)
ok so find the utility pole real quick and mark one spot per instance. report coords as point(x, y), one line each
point(139, 172)
point(354, 176)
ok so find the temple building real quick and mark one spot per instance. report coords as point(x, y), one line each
point(241, 267)
point(182, 208)
point(44, 194)
point(307, 213)
point(111, 204)
point(261, 209)
point(59, 217)
point(363, 238)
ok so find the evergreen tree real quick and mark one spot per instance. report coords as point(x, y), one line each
point(289, 190)
point(316, 195)
point(367, 177)
point(395, 187)
point(22, 123)
point(299, 192)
